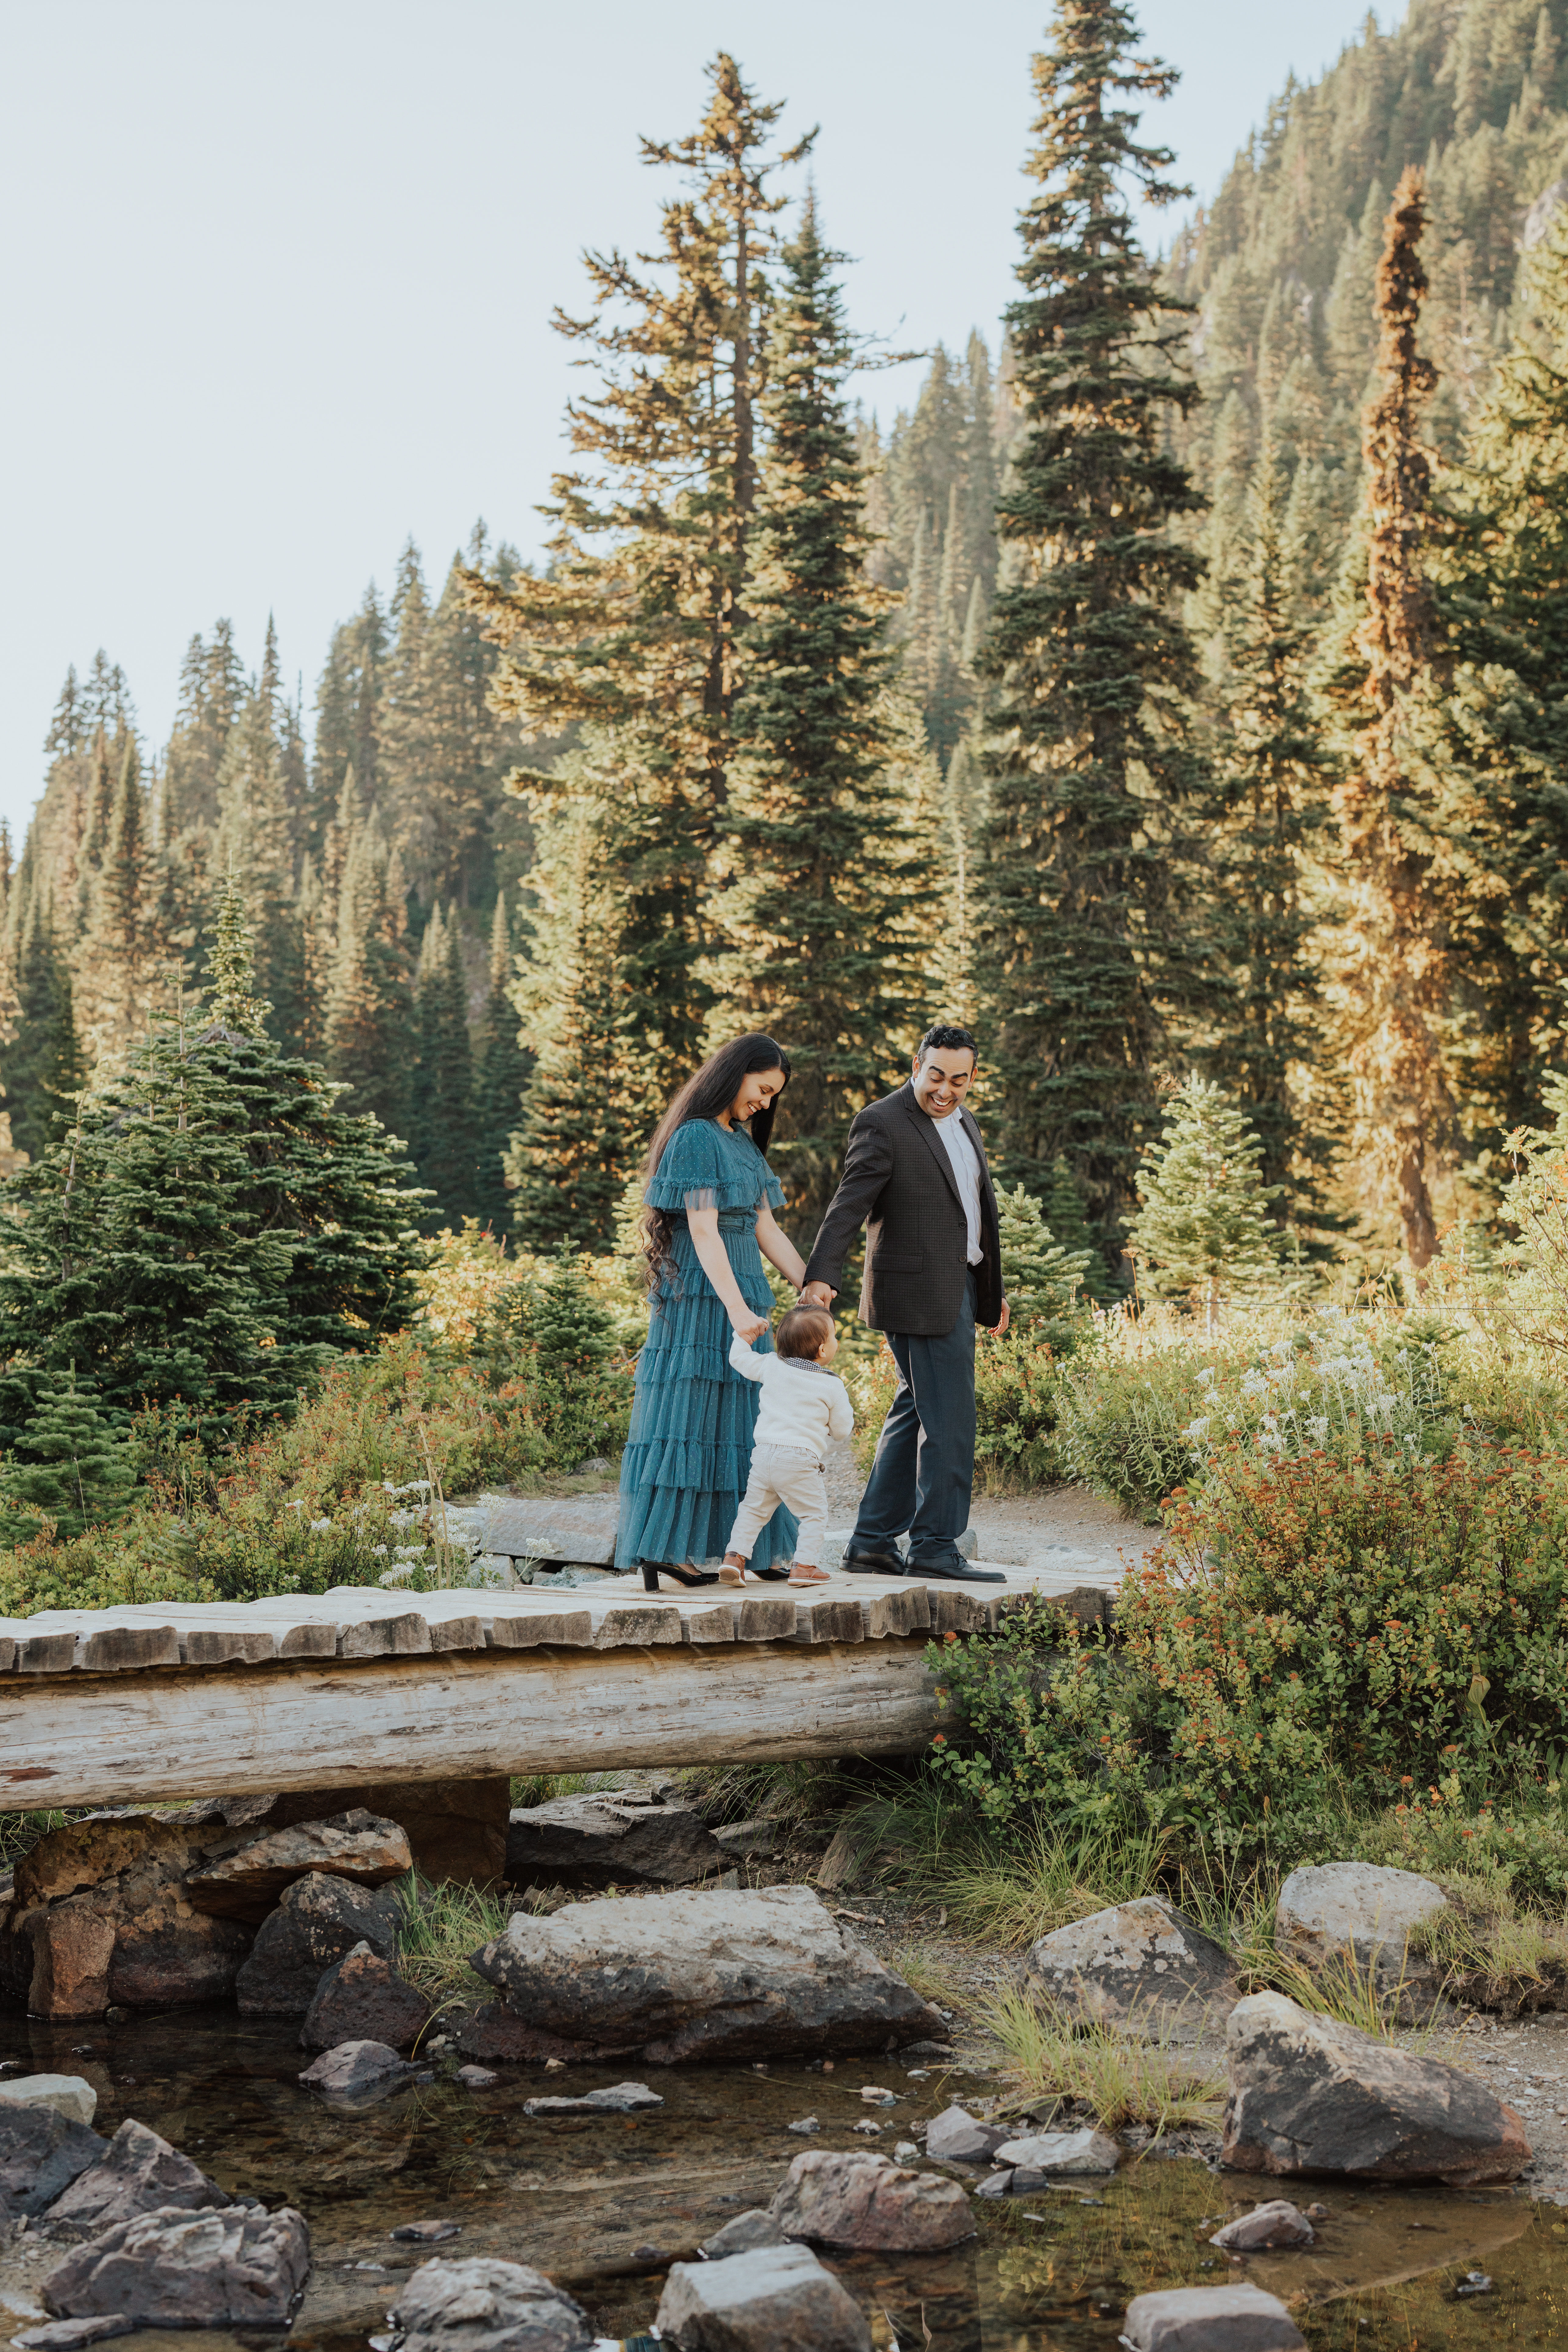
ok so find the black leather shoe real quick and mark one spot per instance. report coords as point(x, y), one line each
point(955, 1571)
point(872, 1563)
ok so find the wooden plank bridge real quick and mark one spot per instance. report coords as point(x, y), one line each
point(356, 1687)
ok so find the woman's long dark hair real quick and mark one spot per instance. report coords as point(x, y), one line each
point(713, 1089)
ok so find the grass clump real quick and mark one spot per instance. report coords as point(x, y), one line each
point(442, 1926)
point(1117, 2080)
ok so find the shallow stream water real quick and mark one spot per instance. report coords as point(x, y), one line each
point(604, 2204)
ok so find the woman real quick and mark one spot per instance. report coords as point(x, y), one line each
point(707, 1227)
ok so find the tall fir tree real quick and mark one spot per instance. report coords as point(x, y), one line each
point(826, 877)
point(1393, 962)
point(1268, 802)
point(1091, 951)
point(1496, 724)
point(442, 1132)
point(636, 633)
point(500, 1081)
point(583, 1125)
point(1203, 1228)
point(369, 998)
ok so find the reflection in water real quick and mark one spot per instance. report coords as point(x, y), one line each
point(605, 2203)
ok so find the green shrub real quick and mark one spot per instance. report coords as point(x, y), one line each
point(313, 1501)
point(1314, 1637)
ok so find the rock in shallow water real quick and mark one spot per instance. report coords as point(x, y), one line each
point(709, 1976)
point(235, 2266)
point(364, 1999)
point(955, 2137)
point(618, 2099)
point(1277, 2223)
point(865, 2200)
point(1309, 2096)
point(774, 2299)
point(1211, 2319)
point(744, 2235)
point(1087, 2151)
point(355, 2069)
point(71, 2095)
point(1140, 1967)
point(485, 2305)
point(73, 2335)
point(318, 1922)
point(41, 2153)
point(137, 2173)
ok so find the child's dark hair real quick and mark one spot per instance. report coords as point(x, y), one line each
point(803, 1331)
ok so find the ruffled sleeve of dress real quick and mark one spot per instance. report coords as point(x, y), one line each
point(702, 1168)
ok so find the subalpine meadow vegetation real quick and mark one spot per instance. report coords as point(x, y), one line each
point(1178, 693)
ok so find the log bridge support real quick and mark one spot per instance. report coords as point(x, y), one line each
point(353, 1688)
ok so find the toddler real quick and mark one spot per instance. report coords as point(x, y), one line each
point(804, 1404)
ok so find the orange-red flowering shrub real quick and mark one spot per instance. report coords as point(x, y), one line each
point(1384, 1630)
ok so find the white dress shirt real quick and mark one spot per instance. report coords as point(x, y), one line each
point(967, 1173)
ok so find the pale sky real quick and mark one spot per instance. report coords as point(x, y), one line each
point(278, 273)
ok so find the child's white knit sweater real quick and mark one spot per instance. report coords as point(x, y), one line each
point(802, 1404)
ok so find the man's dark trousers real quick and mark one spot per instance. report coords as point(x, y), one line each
point(925, 1470)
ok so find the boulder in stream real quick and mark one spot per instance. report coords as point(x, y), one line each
point(364, 1999)
point(706, 1974)
point(41, 2153)
point(481, 2304)
point(69, 2095)
point(955, 2137)
point(1211, 2319)
point(355, 2069)
point(1311, 2095)
point(1274, 2224)
point(138, 2172)
point(229, 2266)
point(1086, 2149)
point(318, 1922)
point(744, 2235)
point(866, 2200)
point(772, 2299)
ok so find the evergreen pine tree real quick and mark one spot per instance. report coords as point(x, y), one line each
point(119, 949)
point(1495, 731)
point(641, 644)
point(571, 1330)
point(208, 1232)
point(1268, 802)
point(500, 1082)
point(1203, 1229)
point(1042, 1278)
point(582, 1124)
point(43, 1065)
point(370, 1004)
point(1090, 949)
point(71, 1466)
point(442, 1111)
point(826, 880)
point(1063, 1211)
point(1393, 966)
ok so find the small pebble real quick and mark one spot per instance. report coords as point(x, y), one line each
point(869, 2130)
point(426, 2234)
point(807, 2124)
point(906, 2151)
point(477, 2078)
point(1474, 2282)
point(874, 2096)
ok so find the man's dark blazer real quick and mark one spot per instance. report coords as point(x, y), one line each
point(898, 1182)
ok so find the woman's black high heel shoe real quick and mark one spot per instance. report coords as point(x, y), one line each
point(652, 1569)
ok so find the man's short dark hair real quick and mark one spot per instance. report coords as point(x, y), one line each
point(945, 1039)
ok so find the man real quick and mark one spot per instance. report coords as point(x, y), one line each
point(915, 1177)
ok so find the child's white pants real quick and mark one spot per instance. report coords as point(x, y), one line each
point(792, 1476)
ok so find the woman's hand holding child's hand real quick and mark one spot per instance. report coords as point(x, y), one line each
point(750, 1327)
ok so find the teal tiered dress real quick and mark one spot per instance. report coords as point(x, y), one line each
point(688, 1455)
